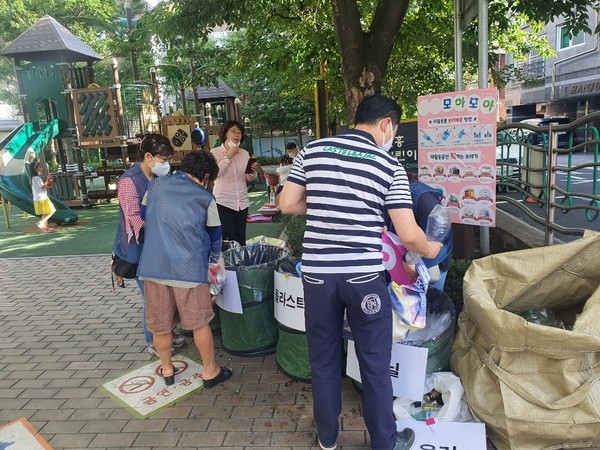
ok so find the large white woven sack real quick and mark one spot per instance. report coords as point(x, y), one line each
point(535, 387)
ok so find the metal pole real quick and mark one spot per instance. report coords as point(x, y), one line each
point(458, 47)
point(464, 235)
point(551, 161)
point(482, 41)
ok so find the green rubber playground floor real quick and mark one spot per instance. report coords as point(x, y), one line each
point(94, 232)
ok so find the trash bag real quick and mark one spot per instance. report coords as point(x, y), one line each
point(535, 386)
point(454, 408)
point(438, 334)
point(254, 332)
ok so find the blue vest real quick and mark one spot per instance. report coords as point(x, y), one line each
point(130, 250)
point(416, 190)
point(177, 244)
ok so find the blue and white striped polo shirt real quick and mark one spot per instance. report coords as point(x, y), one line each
point(349, 182)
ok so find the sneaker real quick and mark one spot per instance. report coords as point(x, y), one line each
point(178, 340)
point(325, 447)
point(152, 350)
point(405, 439)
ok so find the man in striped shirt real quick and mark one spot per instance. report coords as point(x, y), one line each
point(344, 184)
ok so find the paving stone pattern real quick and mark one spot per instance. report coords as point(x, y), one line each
point(63, 333)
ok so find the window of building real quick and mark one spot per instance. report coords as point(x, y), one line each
point(568, 40)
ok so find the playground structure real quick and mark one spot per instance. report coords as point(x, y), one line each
point(64, 109)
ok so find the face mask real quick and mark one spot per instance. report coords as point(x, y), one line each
point(387, 145)
point(160, 169)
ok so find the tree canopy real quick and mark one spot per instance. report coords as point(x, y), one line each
point(275, 50)
point(98, 23)
point(401, 47)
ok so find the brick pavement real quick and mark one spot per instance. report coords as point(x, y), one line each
point(63, 333)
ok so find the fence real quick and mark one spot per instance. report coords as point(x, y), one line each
point(532, 170)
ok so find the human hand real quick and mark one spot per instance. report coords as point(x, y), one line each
point(254, 166)
point(232, 148)
point(411, 271)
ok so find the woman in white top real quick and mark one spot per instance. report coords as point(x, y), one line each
point(230, 189)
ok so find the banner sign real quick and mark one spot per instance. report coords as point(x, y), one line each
point(457, 152)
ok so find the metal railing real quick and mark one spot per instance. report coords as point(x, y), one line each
point(532, 171)
point(534, 69)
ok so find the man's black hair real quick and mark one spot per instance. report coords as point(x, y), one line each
point(377, 107)
point(285, 159)
point(291, 146)
point(200, 164)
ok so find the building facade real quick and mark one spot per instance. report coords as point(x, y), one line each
point(565, 85)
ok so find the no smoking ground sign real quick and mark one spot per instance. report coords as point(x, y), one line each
point(143, 390)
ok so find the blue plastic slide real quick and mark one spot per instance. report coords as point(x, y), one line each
point(17, 150)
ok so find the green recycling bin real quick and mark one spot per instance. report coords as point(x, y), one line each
point(254, 332)
point(440, 310)
point(291, 353)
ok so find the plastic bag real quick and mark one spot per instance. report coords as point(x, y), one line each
point(264, 240)
point(216, 278)
point(253, 256)
point(409, 304)
point(437, 323)
point(455, 408)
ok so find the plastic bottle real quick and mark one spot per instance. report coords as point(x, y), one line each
point(438, 227)
point(543, 316)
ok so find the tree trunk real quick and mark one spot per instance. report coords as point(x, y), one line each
point(365, 55)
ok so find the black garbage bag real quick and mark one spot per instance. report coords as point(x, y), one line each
point(254, 332)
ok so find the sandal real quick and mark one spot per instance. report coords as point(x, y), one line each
point(224, 375)
point(169, 379)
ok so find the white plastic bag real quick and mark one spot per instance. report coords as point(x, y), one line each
point(455, 408)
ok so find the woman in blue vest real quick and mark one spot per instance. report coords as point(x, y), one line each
point(183, 238)
point(156, 151)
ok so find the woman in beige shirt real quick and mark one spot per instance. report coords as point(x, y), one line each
point(230, 189)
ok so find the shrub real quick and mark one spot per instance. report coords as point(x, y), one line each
point(267, 161)
point(293, 227)
point(454, 283)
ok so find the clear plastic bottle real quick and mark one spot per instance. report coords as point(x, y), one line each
point(543, 316)
point(438, 227)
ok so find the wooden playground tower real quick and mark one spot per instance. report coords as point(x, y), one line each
point(56, 81)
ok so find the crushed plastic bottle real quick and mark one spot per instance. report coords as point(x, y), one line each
point(438, 227)
point(543, 316)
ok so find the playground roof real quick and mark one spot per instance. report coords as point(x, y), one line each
point(220, 92)
point(48, 40)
